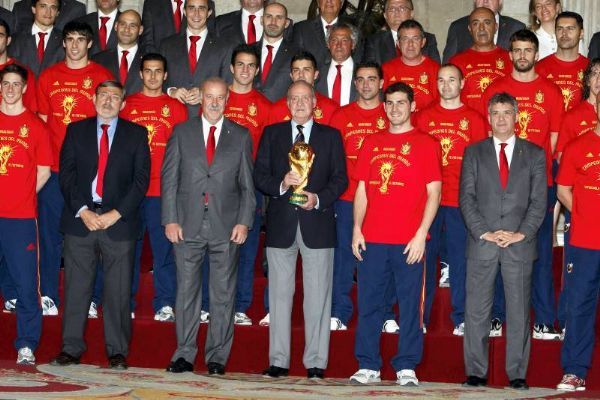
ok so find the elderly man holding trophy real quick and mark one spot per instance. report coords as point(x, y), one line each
point(300, 166)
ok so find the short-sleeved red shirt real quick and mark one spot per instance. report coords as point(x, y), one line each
point(567, 75)
point(580, 168)
point(480, 69)
point(454, 130)
point(66, 95)
point(355, 124)
point(24, 145)
point(159, 115)
point(579, 120)
point(322, 113)
point(396, 169)
point(29, 97)
point(421, 78)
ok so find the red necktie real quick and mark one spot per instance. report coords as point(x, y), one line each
point(123, 67)
point(503, 166)
point(210, 152)
point(251, 29)
point(193, 58)
point(336, 92)
point(102, 32)
point(40, 49)
point(268, 62)
point(102, 159)
point(177, 15)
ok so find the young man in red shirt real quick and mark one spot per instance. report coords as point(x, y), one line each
point(25, 160)
point(455, 126)
point(399, 178)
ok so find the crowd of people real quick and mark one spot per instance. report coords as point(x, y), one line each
point(114, 124)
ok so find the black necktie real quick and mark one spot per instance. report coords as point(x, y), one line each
point(299, 135)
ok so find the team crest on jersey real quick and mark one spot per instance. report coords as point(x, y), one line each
point(87, 83)
point(165, 111)
point(499, 63)
point(539, 97)
point(580, 75)
point(24, 131)
point(423, 79)
point(380, 123)
point(569, 268)
point(318, 113)
point(252, 109)
point(405, 150)
point(463, 124)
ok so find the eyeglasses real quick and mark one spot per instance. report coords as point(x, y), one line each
point(399, 9)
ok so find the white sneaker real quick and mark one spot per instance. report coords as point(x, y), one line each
point(571, 383)
point(366, 376)
point(25, 356)
point(496, 328)
point(132, 315)
point(562, 333)
point(265, 321)
point(390, 326)
point(48, 306)
point(10, 306)
point(424, 329)
point(459, 330)
point(337, 325)
point(241, 318)
point(165, 314)
point(93, 311)
point(445, 274)
point(545, 332)
point(407, 377)
point(204, 317)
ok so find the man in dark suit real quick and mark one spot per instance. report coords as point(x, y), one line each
point(308, 228)
point(594, 49)
point(26, 46)
point(209, 160)
point(104, 174)
point(459, 37)
point(243, 25)
point(102, 23)
point(69, 10)
point(382, 46)
point(124, 61)
point(503, 202)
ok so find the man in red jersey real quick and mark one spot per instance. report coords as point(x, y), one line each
point(484, 62)
point(412, 67)
point(25, 160)
point(455, 126)
point(538, 121)
point(399, 187)
point(64, 92)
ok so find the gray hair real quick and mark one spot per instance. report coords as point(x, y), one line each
point(343, 25)
point(503, 98)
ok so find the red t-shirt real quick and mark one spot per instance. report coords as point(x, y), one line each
point(580, 168)
point(540, 111)
point(579, 120)
point(421, 78)
point(355, 124)
point(322, 113)
point(24, 144)
point(480, 69)
point(396, 169)
point(29, 97)
point(159, 115)
point(567, 75)
point(66, 95)
point(454, 130)
point(251, 110)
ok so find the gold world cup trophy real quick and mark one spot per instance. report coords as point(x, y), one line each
point(301, 158)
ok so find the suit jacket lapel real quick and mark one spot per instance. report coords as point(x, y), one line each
point(516, 163)
point(389, 45)
point(223, 146)
point(91, 143)
point(318, 26)
point(238, 24)
point(209, 43)
point(278, 60)
point(491, 160)
point(285, 140)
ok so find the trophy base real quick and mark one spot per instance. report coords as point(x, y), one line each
point(298, 199)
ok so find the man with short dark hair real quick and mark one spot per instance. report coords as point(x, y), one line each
point(69, 11)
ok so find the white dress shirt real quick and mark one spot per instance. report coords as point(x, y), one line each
point(199, 43)
point(257, 25)
point(347, 72)
point(130, 57)
point(509, 149)
point(325, 23)
point(264, 52)
point(35, 30)
point(110, 23)
point(206, 130)
point(181, 9)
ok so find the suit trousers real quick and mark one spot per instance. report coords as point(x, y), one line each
point(481, 278)
point(189, 257)
point(82, 255)
point(317, 277)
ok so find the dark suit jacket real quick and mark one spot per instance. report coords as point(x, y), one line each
point(69, 10)
point(459, 38)
point(380, 47)
point(186, 176)
point(327, 179)
point(594, 49)
point(110, 60)
point(92, 20)
point(9, 18)
point(24, 49)
point(125, 181)
point(486, 207)
point(278, 80)
point(229, 27)
point(322, 87)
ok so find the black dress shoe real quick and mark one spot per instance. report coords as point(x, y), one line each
point(180, 365)
point(117, 362)
point(275, 372)
point(315, 373)
point(63, 359)
point(215, 368)
point(475, 381)
point(519, 384)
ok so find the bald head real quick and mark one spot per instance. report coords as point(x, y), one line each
point(482, 26)
point(128, 28)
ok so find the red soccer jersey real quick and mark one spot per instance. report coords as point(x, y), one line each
point(322, 113)
point(579, 120)
point(396, 169)
point(29, 97)
point(580, 168)
point(567, 75)
point(355, 124)
point(540, 111)
point(421, 78)
point(454, 130)
point(24, 144)
point(251, 110)
point(159, 115)
point(66, 95)
point(480, 69)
